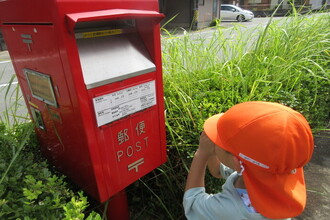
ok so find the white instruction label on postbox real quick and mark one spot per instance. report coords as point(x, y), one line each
point(116, 105)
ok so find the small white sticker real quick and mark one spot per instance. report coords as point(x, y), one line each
point(116, 105)
point(253, 161)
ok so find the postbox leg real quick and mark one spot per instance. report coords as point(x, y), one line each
point(118, 207)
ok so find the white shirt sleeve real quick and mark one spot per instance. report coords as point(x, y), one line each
point(227, 205)
point(199, 205)
point(225, 171)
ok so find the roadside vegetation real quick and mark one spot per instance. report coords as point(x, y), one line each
point(287, 61)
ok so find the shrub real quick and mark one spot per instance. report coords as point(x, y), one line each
point(28, 188)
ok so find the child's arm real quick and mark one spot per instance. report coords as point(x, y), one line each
point(198, 166)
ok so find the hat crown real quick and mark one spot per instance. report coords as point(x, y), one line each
point(267, 136)
point(273, 142)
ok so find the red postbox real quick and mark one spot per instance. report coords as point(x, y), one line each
point(91, 76)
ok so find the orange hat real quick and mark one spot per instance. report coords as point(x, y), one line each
point(273, 143)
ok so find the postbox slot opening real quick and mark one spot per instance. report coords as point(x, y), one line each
point(113, 54)
point(90, 26)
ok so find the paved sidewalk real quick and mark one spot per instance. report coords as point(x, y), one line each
point(317, 175)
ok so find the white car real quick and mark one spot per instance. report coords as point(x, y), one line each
point(232, 12)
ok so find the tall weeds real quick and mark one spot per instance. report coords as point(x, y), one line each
point(289, 63)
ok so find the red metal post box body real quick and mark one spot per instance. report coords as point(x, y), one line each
point(91, 76)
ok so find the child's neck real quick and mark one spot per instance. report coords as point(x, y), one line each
point(239, 183)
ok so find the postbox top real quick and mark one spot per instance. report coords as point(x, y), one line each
point(54, 11)
point(110, 14)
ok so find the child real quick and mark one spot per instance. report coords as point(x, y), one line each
point(261, 148)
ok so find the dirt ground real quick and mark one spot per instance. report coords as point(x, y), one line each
point(317, 176)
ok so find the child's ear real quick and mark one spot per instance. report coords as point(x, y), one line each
point(236, 163)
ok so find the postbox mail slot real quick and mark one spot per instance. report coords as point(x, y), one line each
point(113, 58)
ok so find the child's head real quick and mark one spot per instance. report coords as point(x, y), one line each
point(273, 142)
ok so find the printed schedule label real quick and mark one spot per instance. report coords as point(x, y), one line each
point(116, 105)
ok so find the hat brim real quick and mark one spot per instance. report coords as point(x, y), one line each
point(285, 199)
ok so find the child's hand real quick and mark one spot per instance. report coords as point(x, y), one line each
point(198, 166)
point(206, 146)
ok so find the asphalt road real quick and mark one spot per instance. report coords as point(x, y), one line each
point(9, 91)
point(6, 69)
point(233, 32)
